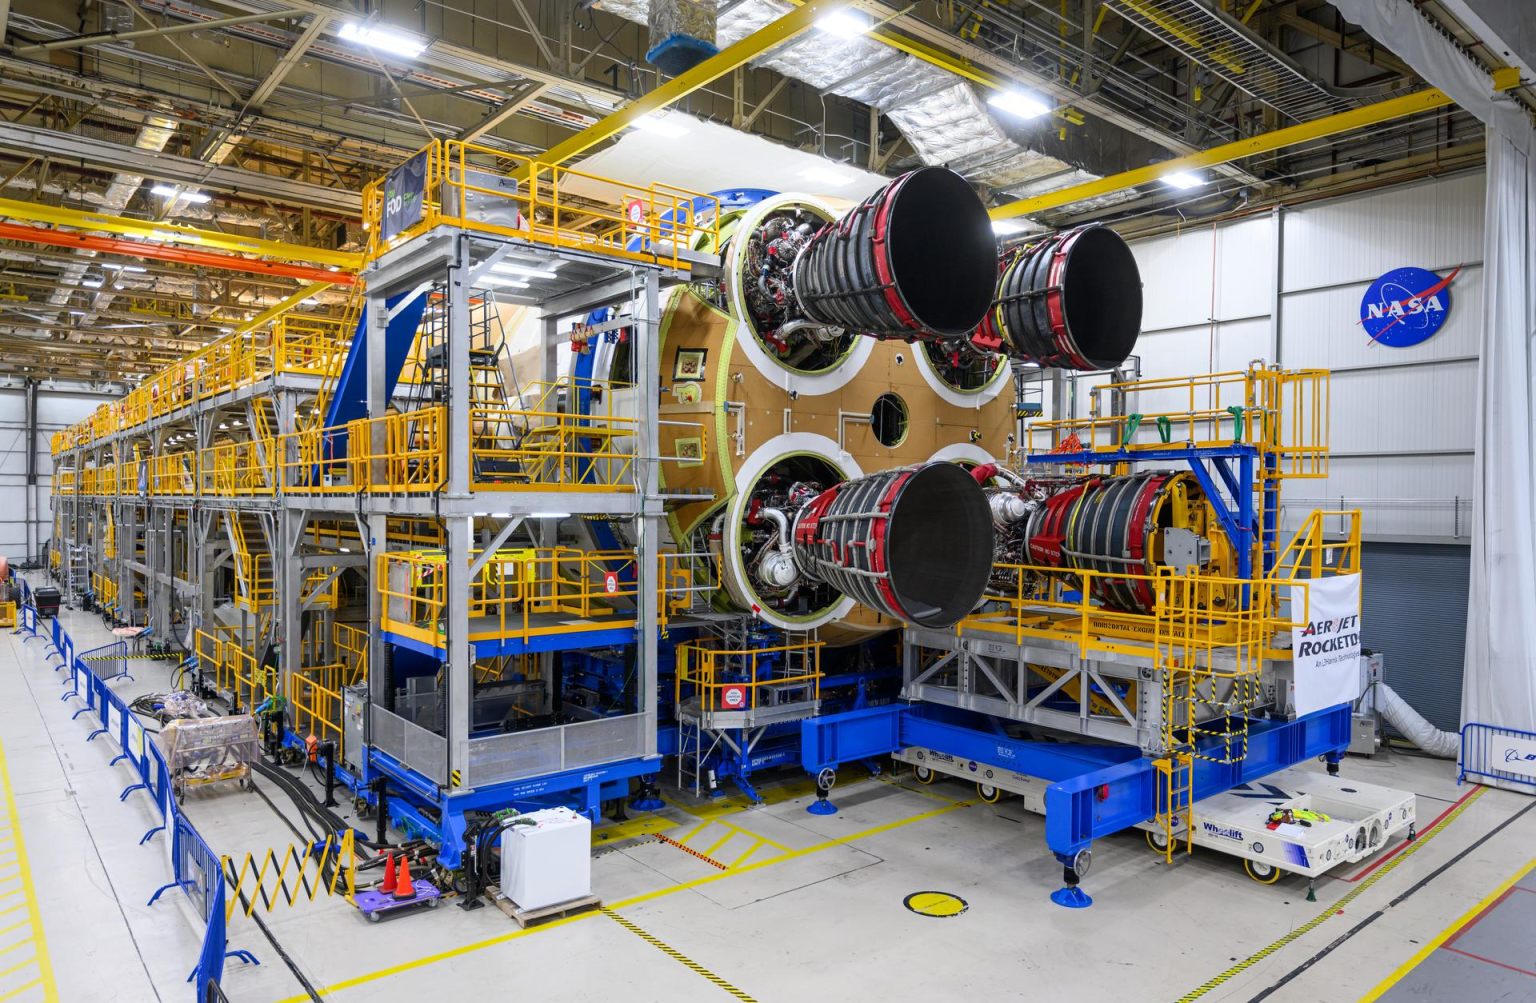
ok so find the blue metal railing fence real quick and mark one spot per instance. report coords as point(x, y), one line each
point(1507, 754)
point(195, 868)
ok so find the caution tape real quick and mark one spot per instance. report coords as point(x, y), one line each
point(1335, 908)
point(128, 658)
point(677, 955)
point(688, 849)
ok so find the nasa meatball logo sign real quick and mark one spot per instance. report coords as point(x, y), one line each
point(1406, 306)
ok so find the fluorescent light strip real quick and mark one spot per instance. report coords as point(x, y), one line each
point(384, 39)
point(1018, 104)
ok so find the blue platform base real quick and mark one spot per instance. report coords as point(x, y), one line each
point(1072, 897)
point(420, 809)
point(820, 807)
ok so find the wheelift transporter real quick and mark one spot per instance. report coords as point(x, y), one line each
point(465, 582)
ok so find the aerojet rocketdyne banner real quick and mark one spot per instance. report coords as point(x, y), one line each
point(1325, 642)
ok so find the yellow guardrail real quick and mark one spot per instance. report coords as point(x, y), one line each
point(173, 474)
point(314, 693)
point(397, 454)
point(521, 593)
point(300, 873)
point(1281, 413)
point(492, 191)
point(295, 344)
point(720, 675)
point(238, 469)
point(1311, 554)
point(7, 614)
point(234, 669)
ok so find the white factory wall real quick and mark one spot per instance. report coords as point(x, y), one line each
point(20, 505)
point(1401, 418)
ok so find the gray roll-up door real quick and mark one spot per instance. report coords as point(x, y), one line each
point(1414, 611)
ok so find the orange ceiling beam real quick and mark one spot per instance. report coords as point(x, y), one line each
point(175, 255)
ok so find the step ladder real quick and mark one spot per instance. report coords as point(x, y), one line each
point(1175, 802)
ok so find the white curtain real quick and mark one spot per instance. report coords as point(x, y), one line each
point(1500, 682)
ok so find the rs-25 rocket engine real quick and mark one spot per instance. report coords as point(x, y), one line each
point(914, 543)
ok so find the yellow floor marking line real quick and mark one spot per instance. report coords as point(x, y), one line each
point(916, 790)
point(1332, 910)
point(750, 850)
point(677, 956)
point(697, 829)
point(646, 825)
point(690, 851)
point(1446, 934)
point(730, 834)
point(470, 948)
point(34, 917)
point(50, 993)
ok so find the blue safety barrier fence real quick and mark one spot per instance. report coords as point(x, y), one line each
point(1507, 754)
point(195, 868)
point(110, 661)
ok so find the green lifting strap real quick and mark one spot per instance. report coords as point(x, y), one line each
point(1132, 423)
point(1165, 428)
point(1236, 411)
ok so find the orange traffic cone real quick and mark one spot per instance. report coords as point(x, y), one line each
point(405, 888)
point(388, 887)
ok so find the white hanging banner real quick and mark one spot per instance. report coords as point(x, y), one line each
point(1325, 642)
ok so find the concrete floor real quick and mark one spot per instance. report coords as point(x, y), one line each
point(808, 907)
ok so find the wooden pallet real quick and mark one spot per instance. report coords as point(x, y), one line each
point(533, 917)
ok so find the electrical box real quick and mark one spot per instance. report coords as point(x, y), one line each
point(1365, 724)
point(354, 707)
point(548, 862)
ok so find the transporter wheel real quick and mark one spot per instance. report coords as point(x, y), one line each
point(989, 794)
point(923, 774)
point(1264, 874)
point(1158, 840)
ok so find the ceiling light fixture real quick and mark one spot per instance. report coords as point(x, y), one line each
point(844, 24)
point(1018, 104)
point(123, 268)
point(1005, 227)
point(538, 273)
point(170, 192)
point(90, 283)
point(666, 127)
point(1183, 180)
point(388, 40)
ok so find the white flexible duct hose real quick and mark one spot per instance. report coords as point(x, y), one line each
point(1420, 732)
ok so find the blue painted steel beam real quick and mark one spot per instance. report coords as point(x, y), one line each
point(1097, 790)
point(1086, 807)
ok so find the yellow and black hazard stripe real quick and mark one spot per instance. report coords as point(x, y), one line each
point(678, 956)
point(131, 658)
point(688, 849)
point(1334, 909)
point(456, 779)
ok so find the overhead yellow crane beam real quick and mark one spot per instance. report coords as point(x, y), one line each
point(1358, 118)
point(278, 309)
point(146, 230)
point(710, 70)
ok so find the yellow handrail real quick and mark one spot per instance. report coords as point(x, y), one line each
point(720, 675)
